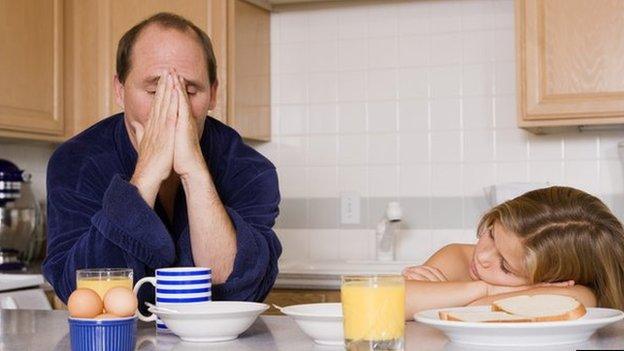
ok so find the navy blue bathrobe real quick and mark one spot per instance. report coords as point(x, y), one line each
point(96, 218)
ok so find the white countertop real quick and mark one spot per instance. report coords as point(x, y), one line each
point(48, 330)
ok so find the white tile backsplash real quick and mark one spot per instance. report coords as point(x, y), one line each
point(477, 80)
point(352, 117)
point(477, 113)
point(383, 149)
point(382, 84)
point(446, 179)
point(324, 244)
point(546, 171)
point(414, 245)
point(352, 149)
point(445, 114)
point(478, 145)
point(322, 56)
point(352, 86)
point(414, 51)
point(582, 146)
point(323, 150)
point(445, 81)
point(446, 49)
point(353, 54)
point(415, 181)
point(355, 244)
point(413, 116)
point(353, 179)
point(322, 87)
point(413, 82)
point(323, 119)
point(415, 100)
point(382, 116)
point(446, 146)
point(413, 148)
point(383, 52)
point(584, 175)
point(383, 181)
point(611, 177)
point(294, 119)
point(322, 181)
point(509, 172)
point(477, 176)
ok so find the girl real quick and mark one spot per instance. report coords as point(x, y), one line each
point(556, 240)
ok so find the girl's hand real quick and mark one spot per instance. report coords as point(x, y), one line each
point(499, 289)
point(424, 273)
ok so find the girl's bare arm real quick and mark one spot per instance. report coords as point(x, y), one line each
point(424, 295)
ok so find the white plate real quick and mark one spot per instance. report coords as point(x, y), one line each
point(520, 334)
point(320, 321)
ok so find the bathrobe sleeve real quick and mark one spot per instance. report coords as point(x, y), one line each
point(88, 228)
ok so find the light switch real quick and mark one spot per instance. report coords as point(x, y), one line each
point(349, 208)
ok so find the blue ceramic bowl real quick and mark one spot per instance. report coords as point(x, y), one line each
point(102, 334)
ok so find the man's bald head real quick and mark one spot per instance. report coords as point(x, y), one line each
point(167, 21)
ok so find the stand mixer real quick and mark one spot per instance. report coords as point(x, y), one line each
point(20, 219)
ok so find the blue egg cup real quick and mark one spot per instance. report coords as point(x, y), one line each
point(103, 334)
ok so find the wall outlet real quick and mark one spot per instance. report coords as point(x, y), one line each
point(349, 208)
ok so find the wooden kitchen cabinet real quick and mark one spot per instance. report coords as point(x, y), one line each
point(570, 62)
point(61, 62)
point(287, 297)
point(240, 36)
point(31, 67)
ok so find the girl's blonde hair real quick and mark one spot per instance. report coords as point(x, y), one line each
point(568, 235)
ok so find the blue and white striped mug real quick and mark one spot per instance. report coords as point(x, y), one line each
point(177, 285)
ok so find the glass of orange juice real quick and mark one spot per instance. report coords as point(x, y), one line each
point(102, 279)
point(373, 308)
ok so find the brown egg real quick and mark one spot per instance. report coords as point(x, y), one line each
point(84, 303)
point(120, 301)
point(106, 316)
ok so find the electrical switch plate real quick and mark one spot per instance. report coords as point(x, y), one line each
point(349, 208)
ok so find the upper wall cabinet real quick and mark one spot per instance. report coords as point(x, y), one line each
point(31, 67)
point(570, 62)
point(57, 62)
point(240, 36)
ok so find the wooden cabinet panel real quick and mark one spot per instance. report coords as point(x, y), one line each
point(58, 62)
point(570, 65)
point(240, 37)
point(288, 297)
point(31, 63)
point(249, 110)
point(97, 27)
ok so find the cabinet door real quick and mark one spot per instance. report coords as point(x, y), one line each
point(249, 88)
point(31, 57)
point(97, 27)
point(240, 36)
point(570, 62)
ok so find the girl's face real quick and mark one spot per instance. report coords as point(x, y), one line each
point(499, 258)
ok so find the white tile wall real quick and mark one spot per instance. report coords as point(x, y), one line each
point(410, 99)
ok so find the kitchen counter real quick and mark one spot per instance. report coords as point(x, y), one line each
point(49, 330)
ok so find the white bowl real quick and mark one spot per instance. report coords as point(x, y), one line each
point(213, 321)
point(320, 321)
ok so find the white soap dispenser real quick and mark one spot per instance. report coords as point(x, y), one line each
point(385, 233)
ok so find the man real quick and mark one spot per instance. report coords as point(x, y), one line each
point(161, 184)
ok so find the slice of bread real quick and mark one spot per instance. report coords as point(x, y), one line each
point(486, 317)
point(523, 308)
point(541, 308)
